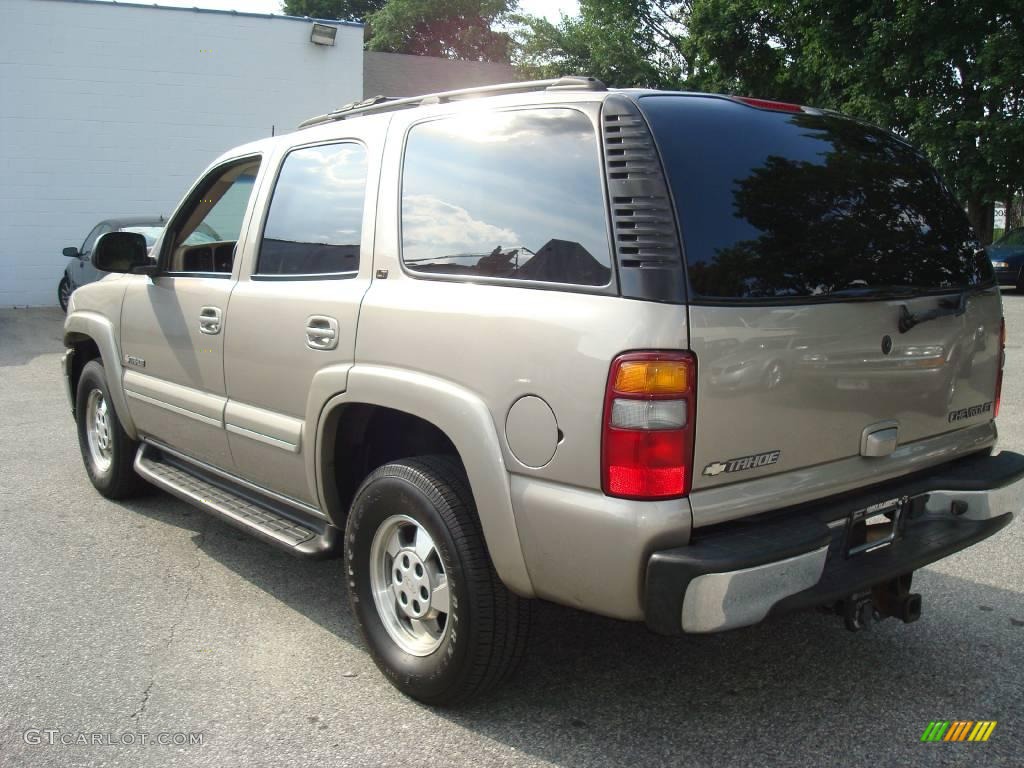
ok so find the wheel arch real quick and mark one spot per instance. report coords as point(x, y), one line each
point(91, 335)
point(441, 417)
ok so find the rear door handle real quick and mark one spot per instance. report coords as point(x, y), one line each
point(209, 320)
point(321, 332)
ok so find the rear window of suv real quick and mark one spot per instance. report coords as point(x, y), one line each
point(777, 205)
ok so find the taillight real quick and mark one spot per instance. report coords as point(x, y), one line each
point(1002, 362)
point(775, 106)
point(647, 441)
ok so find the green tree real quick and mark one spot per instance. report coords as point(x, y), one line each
point(452, 29)
point(344, 10)
point(621, 42)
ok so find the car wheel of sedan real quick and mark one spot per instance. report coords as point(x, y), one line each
point(64, 292)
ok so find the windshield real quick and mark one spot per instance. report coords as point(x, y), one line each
point(789, 205)
point(1013, 237)
point(150, 233)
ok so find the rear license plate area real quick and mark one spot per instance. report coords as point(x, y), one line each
point(874, 527)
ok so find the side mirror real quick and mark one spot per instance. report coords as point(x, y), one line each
point(71, 252)
point(121, 252)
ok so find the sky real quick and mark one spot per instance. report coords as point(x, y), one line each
point(548, 8)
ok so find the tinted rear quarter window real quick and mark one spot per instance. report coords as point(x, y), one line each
point(515, 195)
point(779, 205)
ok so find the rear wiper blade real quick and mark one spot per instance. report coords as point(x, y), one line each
point(947, 307)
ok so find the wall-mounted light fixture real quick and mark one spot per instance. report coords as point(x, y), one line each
point(323, 34)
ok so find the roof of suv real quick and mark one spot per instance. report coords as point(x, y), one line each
point(387, 104)
point(558, 90)
point(507, 94)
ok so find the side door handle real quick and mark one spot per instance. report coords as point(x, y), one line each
point(209, 320)
point(321, 332)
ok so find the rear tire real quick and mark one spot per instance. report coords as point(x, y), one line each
point(107, 450)
point(440, 624)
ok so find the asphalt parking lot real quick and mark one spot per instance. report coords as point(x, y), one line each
point(149, 617)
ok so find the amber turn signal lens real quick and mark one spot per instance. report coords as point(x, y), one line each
point(652, 377)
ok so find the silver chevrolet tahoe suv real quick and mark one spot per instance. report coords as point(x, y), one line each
point(679, 358)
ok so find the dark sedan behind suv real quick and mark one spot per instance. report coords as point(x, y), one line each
point(1007, 255)
point(80, 270)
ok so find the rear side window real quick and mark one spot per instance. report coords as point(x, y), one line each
point(315, 221)
point(777, 205)
point(514, 195)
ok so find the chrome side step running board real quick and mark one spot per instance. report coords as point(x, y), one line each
point(286, 526)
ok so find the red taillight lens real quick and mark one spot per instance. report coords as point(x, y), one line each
point(647, 442)
point(775, 106)
point(1002, 362)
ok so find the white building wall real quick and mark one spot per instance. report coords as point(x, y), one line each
point(109, 110)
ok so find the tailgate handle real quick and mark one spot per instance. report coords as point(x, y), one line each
point(879, 439)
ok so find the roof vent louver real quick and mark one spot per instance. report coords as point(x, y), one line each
point(650, 259)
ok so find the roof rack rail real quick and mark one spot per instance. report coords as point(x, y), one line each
point(387, 103)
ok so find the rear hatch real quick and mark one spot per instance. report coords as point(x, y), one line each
point(835, 288)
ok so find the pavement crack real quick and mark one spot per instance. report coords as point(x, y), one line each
point(145, 700)
point(196, 576)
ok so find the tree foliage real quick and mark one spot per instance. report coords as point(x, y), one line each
point(621, 42)
point(452, 29)
point(343, 10)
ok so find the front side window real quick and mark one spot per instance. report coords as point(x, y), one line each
point(514, 195)
point(205, 234)
point(315, 222)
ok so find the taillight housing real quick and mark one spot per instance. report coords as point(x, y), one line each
point(1002, 363)
point(647, 438)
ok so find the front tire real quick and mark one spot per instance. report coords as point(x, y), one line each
point(440, 624)
point(107, 450)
